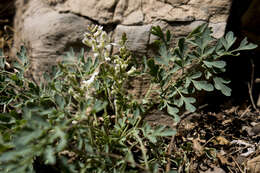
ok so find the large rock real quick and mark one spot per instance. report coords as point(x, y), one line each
point(46, 33)
point(50, 27)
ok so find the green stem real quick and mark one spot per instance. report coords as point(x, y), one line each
point(143, 150)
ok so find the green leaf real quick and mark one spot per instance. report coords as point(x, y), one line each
point(197, 30)
point(196, 75)
point(220, 85)
point(218, 64)
point(99, 105)
point(58, 134)
point(2, 59)
point(230, 39)
point(224, 43)
point(182, 46)
point(145, 64)
point(168, 36)
point(188, 103)
point(60, 101)
point(153, 68)
point(49, 155)
point(156, 30)
point(173, 111)
point(165, 56)
point(28, 136)
point(187, 82)
point(244, 45)
point(130, 158)
point(87, 66)
point(22, 56)
point(168, 132)
point(199, 85)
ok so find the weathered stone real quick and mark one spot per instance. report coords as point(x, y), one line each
point(101, 11)
point(47, 34)
point(137, 37)
point(134, 18)
point(48, 27)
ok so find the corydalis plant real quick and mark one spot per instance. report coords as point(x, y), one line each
point(193, 64)
point(70, 126)
point(112, 71)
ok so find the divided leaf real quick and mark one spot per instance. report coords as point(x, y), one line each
point(199, 85)
point(244, 45)
point(173, 112)
point(218, 64)
point(219, 84)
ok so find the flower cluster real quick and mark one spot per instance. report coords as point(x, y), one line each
point(101, 45)
point(99, 42)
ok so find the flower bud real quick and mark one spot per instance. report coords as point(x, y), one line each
point(131, 71)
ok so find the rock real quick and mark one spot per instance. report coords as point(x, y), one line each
point(137, 37)
point(134, 18)
point(254, 165)
point(101, 11)
point(46, 34)
point(49, 27)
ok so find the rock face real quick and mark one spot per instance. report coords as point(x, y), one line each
point(46, 33)
point(49, 27)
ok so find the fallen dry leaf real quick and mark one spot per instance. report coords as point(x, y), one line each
point(254, 165)
point(197, 147)
point(222, 141)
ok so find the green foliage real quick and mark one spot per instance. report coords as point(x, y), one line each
point(194, 64)
point(82, 118)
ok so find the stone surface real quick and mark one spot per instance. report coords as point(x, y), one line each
point(47, 34)
point(49, 27)
point(137, 37)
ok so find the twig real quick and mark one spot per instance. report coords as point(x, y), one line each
point(208, 141)
point(237, 165)
point(246, 111)
point(250, 85)
point(168, 166)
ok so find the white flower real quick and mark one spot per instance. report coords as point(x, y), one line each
point(131, 71)
point(91, 80)
point(86, 42)
point(74, 122)
point(107, 59)
point(108, 47)
point(96, 55)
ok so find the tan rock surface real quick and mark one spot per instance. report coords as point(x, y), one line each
point(49, 27)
